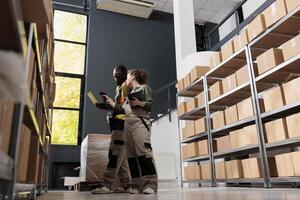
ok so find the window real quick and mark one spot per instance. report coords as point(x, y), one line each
point(70, 30)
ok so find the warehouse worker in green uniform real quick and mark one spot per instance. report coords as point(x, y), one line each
point(138, 133)
point(116, 177)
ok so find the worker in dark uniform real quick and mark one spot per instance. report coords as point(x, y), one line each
point(116, 177)
point(138, 133)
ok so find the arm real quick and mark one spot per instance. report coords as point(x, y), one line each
point(149, 100)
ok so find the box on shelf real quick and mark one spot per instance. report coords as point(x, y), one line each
point(242, 75)
point(288, 164)
point(192, 172)
point(292, 4)
point(188, 130)
point(276, 130)
point(180, 85)
point(190, 150)
point(33, 165)
point(275, 12)
point(94, 156)
point(245, 109)
point(241, 40)
point(234, 169)
point(205, 171)
point(269, 60)
point(23, 155)
point(218, 119)
point(250, 135)
point(227, 50)
point(256, 27)
point(215, 60)
point(198, 72)
point(191, 104)
point(291, 48)
point(231, 114)
point(181, 109)
point(215, 90)
point(201, 99)
point(200, 125)
point(220, 170)
point(293, 122)
point(6, 124)
point(273, 98)
point(187, 80)
point(234, 138)
point(223, 143)
point(229, 83)
point(203, 147)
point(251, 168)
point(291, 91)
point(37, 11)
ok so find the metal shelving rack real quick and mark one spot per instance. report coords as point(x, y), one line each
point(276, 35)
point(14, 37)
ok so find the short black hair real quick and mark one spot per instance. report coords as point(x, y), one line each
point(122, 69)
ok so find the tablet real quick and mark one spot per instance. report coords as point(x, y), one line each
point(92, 97)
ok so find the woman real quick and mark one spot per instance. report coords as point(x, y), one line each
point(137, 132)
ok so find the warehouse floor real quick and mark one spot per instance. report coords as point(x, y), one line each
point(189, 194)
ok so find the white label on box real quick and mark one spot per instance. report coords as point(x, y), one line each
point(273, 6)
point(293, 42)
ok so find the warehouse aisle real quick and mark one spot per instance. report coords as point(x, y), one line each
point(188, 194)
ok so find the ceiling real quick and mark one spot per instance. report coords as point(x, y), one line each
point(205, 10)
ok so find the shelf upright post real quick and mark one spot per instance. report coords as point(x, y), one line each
point(180, 157)
point(258, 120)
point(209, 135)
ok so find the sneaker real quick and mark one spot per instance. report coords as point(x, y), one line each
point(120, 189)
point(134, 191)
point(149, 191)
point(102, 190)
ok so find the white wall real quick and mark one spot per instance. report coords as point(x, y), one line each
point(227, 27)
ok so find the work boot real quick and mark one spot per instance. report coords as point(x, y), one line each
point(102, 190)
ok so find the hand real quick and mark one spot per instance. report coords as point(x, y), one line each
point(136, 102)
point(110, 101)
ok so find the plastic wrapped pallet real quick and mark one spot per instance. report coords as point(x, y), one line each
point(94, 156)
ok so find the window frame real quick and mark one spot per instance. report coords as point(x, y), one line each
point(82, 77)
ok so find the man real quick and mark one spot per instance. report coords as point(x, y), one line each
point(116, 176)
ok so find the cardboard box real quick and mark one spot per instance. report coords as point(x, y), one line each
point(284, 165)
point(205, 171)
point(180, 85)
point(291, 48)
point(192, 172)
point(220, 170)
point(245, 109)
point(190, 150)
point(223, 143)
point(229, 83)
point(293, 122)
point(203, 147)
point(198, 72)
point(273, 98)
point(275, 12)
point(33, 164)
point(187, 80)
point(276, 130)
point(6, 126)
point(269, 60)
point(296, 162)
point(201, 99)
point(181, 109)
point(241, 40)
point(234, 169)
point(256, 27)
point(292, 4)
point(227, 50)
point(218, 119)
point(251, 168)
point(215, 60)
point(235, 138)
point(188, 130)
point(215, 90)
point(200, 126)
point(191, 104)
point(231, 114)
point(249, 136)
point(242, 75)
point(37, 11)
point(23, 155)
point(291, 91)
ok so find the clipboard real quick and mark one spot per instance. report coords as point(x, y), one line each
point(92, 97)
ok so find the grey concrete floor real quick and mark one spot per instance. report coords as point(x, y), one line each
point(189, 194)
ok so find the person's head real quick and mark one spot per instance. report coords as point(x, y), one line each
point(136, 76)
point(119, 74)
